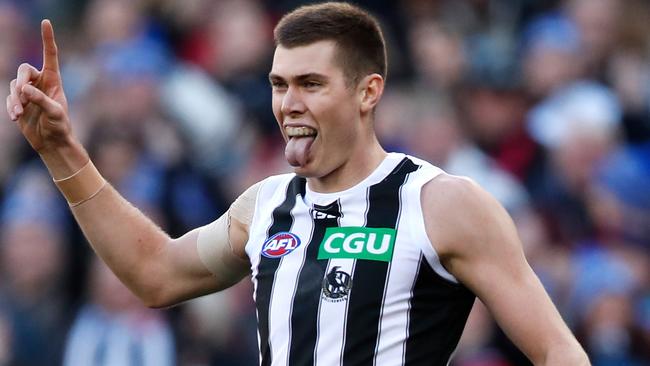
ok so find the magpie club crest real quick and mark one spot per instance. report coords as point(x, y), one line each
point(336, 285)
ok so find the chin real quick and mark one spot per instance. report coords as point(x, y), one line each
point(304, 171)
point(308, 170)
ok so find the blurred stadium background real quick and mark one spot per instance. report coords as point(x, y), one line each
point(544, 103)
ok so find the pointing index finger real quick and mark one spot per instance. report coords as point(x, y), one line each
point(50, 54)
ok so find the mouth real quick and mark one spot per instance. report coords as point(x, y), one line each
point(300, 140)
point(301, 131)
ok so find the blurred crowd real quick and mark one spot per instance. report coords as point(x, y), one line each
point(546, 104)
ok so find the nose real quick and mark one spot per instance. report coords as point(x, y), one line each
point(292, 104)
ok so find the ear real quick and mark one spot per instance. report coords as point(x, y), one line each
point(370, 90)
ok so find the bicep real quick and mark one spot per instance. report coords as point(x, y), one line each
point(202, 261)
point(216, 245)
point(479, 245)
point(212, 257)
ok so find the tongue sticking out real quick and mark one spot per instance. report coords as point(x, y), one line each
point(297, 150)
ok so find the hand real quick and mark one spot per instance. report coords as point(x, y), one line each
point(37, 102)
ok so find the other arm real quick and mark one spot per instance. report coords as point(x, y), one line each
point(477, 242)
point(160, 270)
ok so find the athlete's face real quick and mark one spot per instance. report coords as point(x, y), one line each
point(317, 111)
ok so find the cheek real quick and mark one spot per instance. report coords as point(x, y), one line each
point(344, 123)
point(276, 105)
point(339, 113)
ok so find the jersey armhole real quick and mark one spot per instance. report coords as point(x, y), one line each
point(417, 224)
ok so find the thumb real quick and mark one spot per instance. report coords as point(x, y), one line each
point(51, 108)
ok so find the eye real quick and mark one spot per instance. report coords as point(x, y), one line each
point(278, 85)
point(310, 84)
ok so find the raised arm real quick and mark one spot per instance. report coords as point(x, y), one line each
point(477, 242)
point(160, 270)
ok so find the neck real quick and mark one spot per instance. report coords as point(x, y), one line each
point(362, 162)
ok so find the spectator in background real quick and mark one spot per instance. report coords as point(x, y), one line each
point(134, 125)
point(436, 135)
point(551, 54)
point(114, 328)
point(611, 266)
point(598, 22)
point(628, 70)
point(618, 199)
point(196, 71)
point(13, 38)
point(224, 337)
point(578, 125)
point(438, 56)
point(33, 259)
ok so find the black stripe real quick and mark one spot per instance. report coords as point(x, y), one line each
point(281, 221)
point(369, 277)
point(345, 319)
point(408, 314)
point(304, 317)
point(439, 311)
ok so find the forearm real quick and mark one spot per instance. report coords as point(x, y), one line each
point(544, 337)
point(130, 244)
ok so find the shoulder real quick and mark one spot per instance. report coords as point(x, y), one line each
point(243, 207)
point(452, 192)
point(459, 214)
point(274, 182)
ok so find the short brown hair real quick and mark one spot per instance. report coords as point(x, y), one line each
point(360, 42)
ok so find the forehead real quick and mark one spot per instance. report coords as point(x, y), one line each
point(314, 58)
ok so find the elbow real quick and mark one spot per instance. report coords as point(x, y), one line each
point(152, 285)
point(569, 355)
point(152, 301)
point(156, 301)
point(153, 295)
point(156, 304)
point(579, 358)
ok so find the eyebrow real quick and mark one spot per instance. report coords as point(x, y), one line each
point(299, 78)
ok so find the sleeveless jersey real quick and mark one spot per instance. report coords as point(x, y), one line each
point(351, 278)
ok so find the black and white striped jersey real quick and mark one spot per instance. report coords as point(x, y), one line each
point(351, 278)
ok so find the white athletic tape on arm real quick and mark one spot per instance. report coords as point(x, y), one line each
point(213, 243)
point(213, 246)
point(244, 206)
point(81, 186)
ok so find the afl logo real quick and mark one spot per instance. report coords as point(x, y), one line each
point(280, 245)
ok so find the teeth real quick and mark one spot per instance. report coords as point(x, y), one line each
point(299, 131)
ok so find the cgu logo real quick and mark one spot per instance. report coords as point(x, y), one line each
point(280, 245)
point(358, 243)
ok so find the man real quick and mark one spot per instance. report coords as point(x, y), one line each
point(360, 257)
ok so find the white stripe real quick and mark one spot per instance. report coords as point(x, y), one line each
point(285, 284)
point(318, 313)
point(271, 194)
point(333, 315)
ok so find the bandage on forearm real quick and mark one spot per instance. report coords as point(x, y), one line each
point(81, 186)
